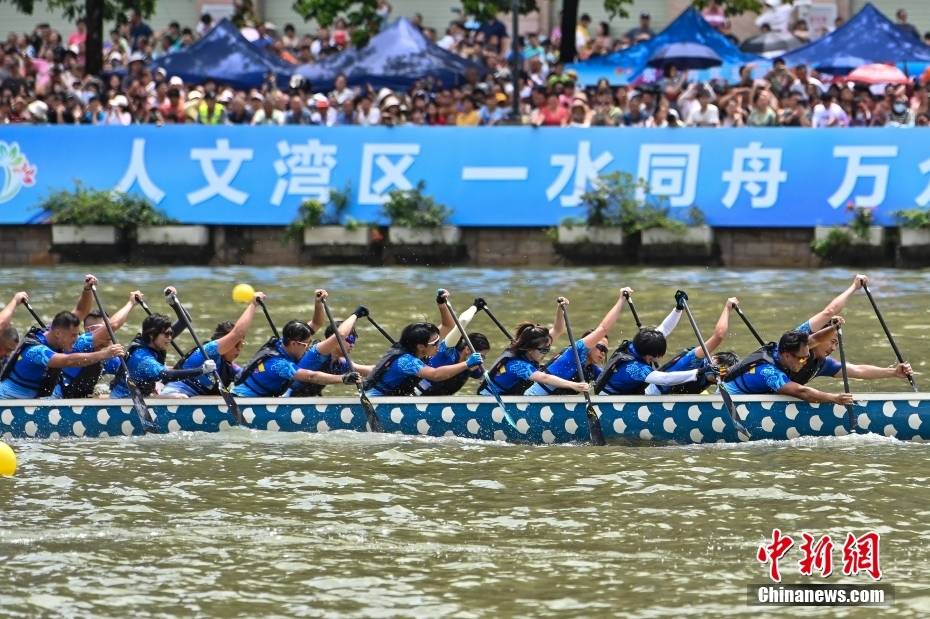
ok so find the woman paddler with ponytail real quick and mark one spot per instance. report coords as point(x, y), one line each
point(518, 368)
point(223, 349)
point(592, 350)
point(405, 364)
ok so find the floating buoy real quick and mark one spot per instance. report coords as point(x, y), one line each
point(243, 293)
point(7, 460)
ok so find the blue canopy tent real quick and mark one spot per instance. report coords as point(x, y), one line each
point(631, 64)
point(224, 55)
point(395, 58)
point(868, 37)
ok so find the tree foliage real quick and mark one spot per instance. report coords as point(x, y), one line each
point(360, 15)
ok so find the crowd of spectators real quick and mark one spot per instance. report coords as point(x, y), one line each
point(42, 80)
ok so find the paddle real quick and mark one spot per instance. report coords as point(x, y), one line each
point(595, 431)
point(629, 302)
point(484, 371)
point(138, 404)
point(35, 316)
point(373, 422)
point(274, 329)
point(146, 309)
point(739, 312)
point(386, 335)
point(849, 408)
point(727, 400)
point(894, 346)
point(481, 304)
point(175, 303)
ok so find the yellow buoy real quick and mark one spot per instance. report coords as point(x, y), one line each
point(243, 293)
point(7, 460)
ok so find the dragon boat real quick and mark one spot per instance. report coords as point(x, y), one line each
point(649, 420)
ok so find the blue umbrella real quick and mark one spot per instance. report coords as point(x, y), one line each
point(685, 56)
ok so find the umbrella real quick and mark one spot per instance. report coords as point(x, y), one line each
point(771, 44)
point(878, 74)
point(685, 56)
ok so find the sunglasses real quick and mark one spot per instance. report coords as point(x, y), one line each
point(601, 348)
point(350, 339)
point(168, 332)
point(544, 350)
point(433, 343)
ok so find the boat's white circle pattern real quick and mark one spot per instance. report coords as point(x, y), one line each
point(694, 413)
point(619, 425)
point(890, 430)
point(669, 425)
point(668, 406)
point(840, 431)
point(718, 424)
point(171, 408)
point(7, 417)
point(249, 416)
point(816, 423)
point(321, 408)
point(497, 415)
point(346, 415)
point(791, 411)
point(448, 414)
point(472, 426)
point(913, 421)
point(54, 416)
point(548, 437)
point(545, 413)
point(422, 426)
point(523, 426)
point(839, 411)
point(742, 412)
point(645, 434)
point(472, 406)
point(30, 428)
point(273, 426)
point(224, 425)
point(864, 421)
point(522, 406)
point(198, 416)
point(104, 435)
point(696, 435)
point(768, 424)
point(888, 409)
point(322, 426)
point(766, 406)
point(571, 426)
point(792, 432)
point(174, 426)
point(397, 415)
point(643, 413)
point(54, 436)
point(126, 428)
point(297, 416)
point(499, 435)
point(78, 428)
point(271, 408)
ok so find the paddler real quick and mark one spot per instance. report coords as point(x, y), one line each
point(399, 371)
point(592, 350)
point(453, 349)
point(693, 358)
point(80, 382)
point(9, 336)
point(35, 366)
point(767, 371)
point(631, 367)
point(518, 367)
point(274, 367)
point(326, 356)
point(223, 348)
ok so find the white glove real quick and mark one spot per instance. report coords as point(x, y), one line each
point(209, 366)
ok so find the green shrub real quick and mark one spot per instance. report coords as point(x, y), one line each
point(914, 218)
point(619, 200)
point(89, 207)
point(412, 209)
point(312, 213)
point(836, 239)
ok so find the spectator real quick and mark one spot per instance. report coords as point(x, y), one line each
point(828, 113)
point(79, 36)
point(297, 114)
point(209, 111)
point(733, 114)
point(762, 114)
point(205, 24)
point(902, 23)
point(491, 113)
point(238, 112)
point(777, 17)
point(644, 30)
point(579, 114)
point(582, 31)
point(266, 114)
point(366, 114)
point(118, 112)
point(551, 115)
point(138, 29)
point(705, 113)
point(469, 116)
point(714, 15)
point(795, 113)
point(901, 114)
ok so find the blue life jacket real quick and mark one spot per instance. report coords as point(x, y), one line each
point(591, 372)
point(22, 375)
point(206, 385)
point(259, 381)
point(137, 346)
point(504, 382)
point(621, 356)
point(737, 373)
point(375, 380)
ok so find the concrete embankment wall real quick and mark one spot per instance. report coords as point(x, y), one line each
point(489, 247)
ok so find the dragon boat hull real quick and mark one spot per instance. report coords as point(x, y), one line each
point(669, 419)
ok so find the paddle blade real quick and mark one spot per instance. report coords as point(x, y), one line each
point(594, 427)
point(741, 430)
point(373, 422)
point(230, 402)
point(138, 404)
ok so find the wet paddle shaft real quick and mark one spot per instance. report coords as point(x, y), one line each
point(595, 431)
point(894, 345)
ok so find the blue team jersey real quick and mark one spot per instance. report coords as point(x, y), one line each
point(26, 375)
point(510, 373)
point(144, 367)
point(269, 378)
point(761, 379)
point(404, 366)
point(564, 366)
point(688, 361)
point(830, 365)
point(195, 360)
point(85, 344)
point(445, 356)
point(630, 376)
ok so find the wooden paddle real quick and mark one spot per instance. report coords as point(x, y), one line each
point(35, 316)
point(228, 398)
point(274, 329)
point(138, 403)
point(484, 370)
point(481, 304)
point(894, 346)
point(755, 334)
point(849, 409)
point(146, 309)
point(386, 335)
point(373, 422)
point(595, 431)
point(727, 400)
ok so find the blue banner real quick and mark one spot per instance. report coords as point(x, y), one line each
point(506, 176)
